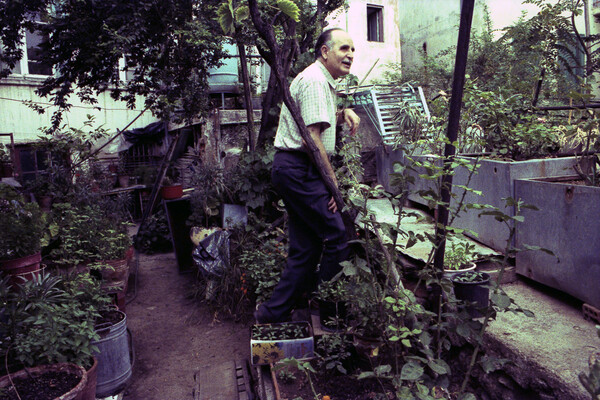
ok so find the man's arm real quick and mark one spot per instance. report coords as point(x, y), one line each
point(348, 116)
point(315, 133)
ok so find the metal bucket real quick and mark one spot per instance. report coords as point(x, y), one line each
point(114, 361)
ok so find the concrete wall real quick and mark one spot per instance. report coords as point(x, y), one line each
point(24, 123)
point(431, 25)
point(567, 224)
point(354, 21)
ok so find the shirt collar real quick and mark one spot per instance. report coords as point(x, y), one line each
point(328, 76)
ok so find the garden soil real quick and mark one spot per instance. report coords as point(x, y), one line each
point(174, 335)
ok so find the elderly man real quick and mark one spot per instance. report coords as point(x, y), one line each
point(317, 237)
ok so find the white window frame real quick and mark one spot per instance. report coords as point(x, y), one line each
point(24, 61)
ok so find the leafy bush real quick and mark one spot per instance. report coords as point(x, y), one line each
point(50, 319)
point(23, 225)
point(263, 265)
point(210, 189)
point(250, 180)
point(154, 236)
point(86, 234)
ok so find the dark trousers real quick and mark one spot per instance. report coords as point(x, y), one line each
point(315, 233)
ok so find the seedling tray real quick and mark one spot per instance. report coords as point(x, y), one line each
point(270, 343)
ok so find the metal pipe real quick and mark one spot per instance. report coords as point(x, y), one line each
point(460, 65)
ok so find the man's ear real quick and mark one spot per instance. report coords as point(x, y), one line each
point(324, 50)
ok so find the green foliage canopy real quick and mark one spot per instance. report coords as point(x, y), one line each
point(168, 45)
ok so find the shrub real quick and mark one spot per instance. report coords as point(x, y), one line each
point(86, 234)
point(50, 319)
point(23, 225)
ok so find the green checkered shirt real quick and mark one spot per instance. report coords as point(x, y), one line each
point(314, 92)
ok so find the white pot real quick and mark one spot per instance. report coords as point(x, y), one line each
point(450, 273)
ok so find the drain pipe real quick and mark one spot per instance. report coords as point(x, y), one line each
point(460, 64)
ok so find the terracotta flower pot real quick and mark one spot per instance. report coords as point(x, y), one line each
point(89, 391)
point(172, 192)
point(72, 393)
point(22, 269)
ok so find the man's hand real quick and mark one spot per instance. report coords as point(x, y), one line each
point(332, 205)
point(351, 119)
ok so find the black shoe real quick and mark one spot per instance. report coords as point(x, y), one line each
point(262, 316)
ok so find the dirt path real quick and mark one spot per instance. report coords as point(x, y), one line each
point(174, 335)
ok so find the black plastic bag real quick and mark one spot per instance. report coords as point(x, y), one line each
point(211, 256)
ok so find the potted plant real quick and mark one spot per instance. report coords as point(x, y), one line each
point(270, 343)
point(508, 143)
point(170, 189)
point(51, 320)
point(64, 381)
point(23, 230)
point(365, 308)
point(472, 288)
point(565, 221)
point(458, 258)
point(113, 352)
point(42, 189)
point(87, 238)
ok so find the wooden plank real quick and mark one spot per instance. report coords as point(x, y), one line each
point(216, 382)
point(244, 384)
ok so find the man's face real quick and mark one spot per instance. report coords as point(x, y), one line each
point(338, 59)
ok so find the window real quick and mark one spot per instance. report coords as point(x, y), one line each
point(34, 42)
point(126, 73)
point(30, 161)
point(374, 23)
point(32, 62)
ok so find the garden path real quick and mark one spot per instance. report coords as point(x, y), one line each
point(174, 335)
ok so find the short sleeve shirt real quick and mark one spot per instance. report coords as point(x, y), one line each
point(314, 92)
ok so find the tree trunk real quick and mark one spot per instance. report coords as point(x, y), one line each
point(247, 95)
point(268, 120)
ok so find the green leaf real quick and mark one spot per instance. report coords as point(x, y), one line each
point(529, 314)
point(463, 330)
point(225, 15)
point(467, 396)
point(439, 366)
point(411, 372)
point(290, 9)
point(383, 369)
point(501, 300)
point(368, 374)
point(242, 13)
